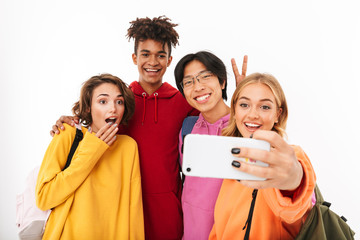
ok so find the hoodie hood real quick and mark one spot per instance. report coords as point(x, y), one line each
point(165, 91)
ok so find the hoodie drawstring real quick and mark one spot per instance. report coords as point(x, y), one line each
point(144, 108)
point(143, 117)
point(156, 94)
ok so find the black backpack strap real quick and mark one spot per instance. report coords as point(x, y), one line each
point(187, 126)
point(77, 139)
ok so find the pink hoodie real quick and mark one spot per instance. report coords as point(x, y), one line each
point(200, 194)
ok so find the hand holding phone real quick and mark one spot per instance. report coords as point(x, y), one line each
point(210, 156)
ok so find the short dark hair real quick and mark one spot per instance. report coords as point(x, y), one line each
point(81, 108)
point(159, 29)
point(211, 62)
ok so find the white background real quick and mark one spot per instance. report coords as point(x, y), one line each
point(49, 48)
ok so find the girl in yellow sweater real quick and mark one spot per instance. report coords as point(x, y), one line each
point(99, 195)
point(282, 201)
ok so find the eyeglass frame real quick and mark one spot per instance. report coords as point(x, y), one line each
point(196, 77)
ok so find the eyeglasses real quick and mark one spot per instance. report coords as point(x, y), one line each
point(203, 77)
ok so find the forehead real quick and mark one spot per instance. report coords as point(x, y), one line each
point(257, 91)
point(106, 88)
point(194, 67)
point(152, 46)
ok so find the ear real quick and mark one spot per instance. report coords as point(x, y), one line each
point(169, 61)
point(278, 115)
point(134, 58)
point(223, 85)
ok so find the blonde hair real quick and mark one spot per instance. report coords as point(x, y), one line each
point(274, 85)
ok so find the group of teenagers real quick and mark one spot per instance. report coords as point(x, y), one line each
point(124, 179)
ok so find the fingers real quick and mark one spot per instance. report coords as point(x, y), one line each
point(234, 67)
point(239, 77)
point(255, 154)
point(108, 133)
point(259, 171)
point(275, 140)
point(244, 66)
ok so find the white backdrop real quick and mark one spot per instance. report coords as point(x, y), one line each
point(49, 48)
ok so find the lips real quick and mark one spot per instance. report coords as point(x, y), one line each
point(152, 70)
point(252, 126)
point(202, 97)
point(112, 120)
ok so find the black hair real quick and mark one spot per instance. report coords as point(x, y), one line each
point(210, 61)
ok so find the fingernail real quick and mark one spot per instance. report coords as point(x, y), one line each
point(115, 124)
point(89, 129)
point(235, 150)
point(110, 123)
point(235, 164)
point(62, 127)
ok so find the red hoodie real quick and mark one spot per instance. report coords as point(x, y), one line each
point(155, 126)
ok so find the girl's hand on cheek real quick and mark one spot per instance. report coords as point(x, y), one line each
point(108, 133)
point(284, 171)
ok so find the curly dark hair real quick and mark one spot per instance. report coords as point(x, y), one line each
point(159, 29)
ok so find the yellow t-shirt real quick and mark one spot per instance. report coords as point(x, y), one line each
point(98, 196)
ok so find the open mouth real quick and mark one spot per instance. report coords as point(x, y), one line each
point(112, 120)
point(202, 98)
point(152, 70)
point(252, 126)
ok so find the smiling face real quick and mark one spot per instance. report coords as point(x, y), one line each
point(256, 109)
point(205, 97)
point(107, 105)
point(152, 59)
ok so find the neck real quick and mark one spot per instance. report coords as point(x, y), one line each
point(216, 113)
point(150, 88)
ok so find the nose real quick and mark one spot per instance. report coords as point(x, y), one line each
point(197, 85)
point(112, 107)
point(153, 60)
point(253, 113)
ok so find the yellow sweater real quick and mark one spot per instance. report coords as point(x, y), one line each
point(98, 196)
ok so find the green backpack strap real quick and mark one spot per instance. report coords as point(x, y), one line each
point(323, 223)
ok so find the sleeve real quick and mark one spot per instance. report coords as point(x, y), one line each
point(292, 208)
point(136, 205)
point(54, 186)
point(193, 112)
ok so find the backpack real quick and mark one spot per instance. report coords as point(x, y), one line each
point(187, 126)
point(322, 223)
point(30, 220)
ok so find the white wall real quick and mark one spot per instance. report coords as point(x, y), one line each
point(48, 48)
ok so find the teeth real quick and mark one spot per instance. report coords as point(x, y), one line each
point(252, 125)
point(202, 97)
point(152, 70)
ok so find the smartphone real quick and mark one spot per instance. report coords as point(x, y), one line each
point(210, 156)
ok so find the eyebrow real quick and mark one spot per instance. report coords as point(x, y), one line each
point(147, 51)
point(107, 95)
point(261, 100)
point(196, 74)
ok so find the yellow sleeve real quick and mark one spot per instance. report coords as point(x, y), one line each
point(53, 185)
point(292, 209)
point(136, 205)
